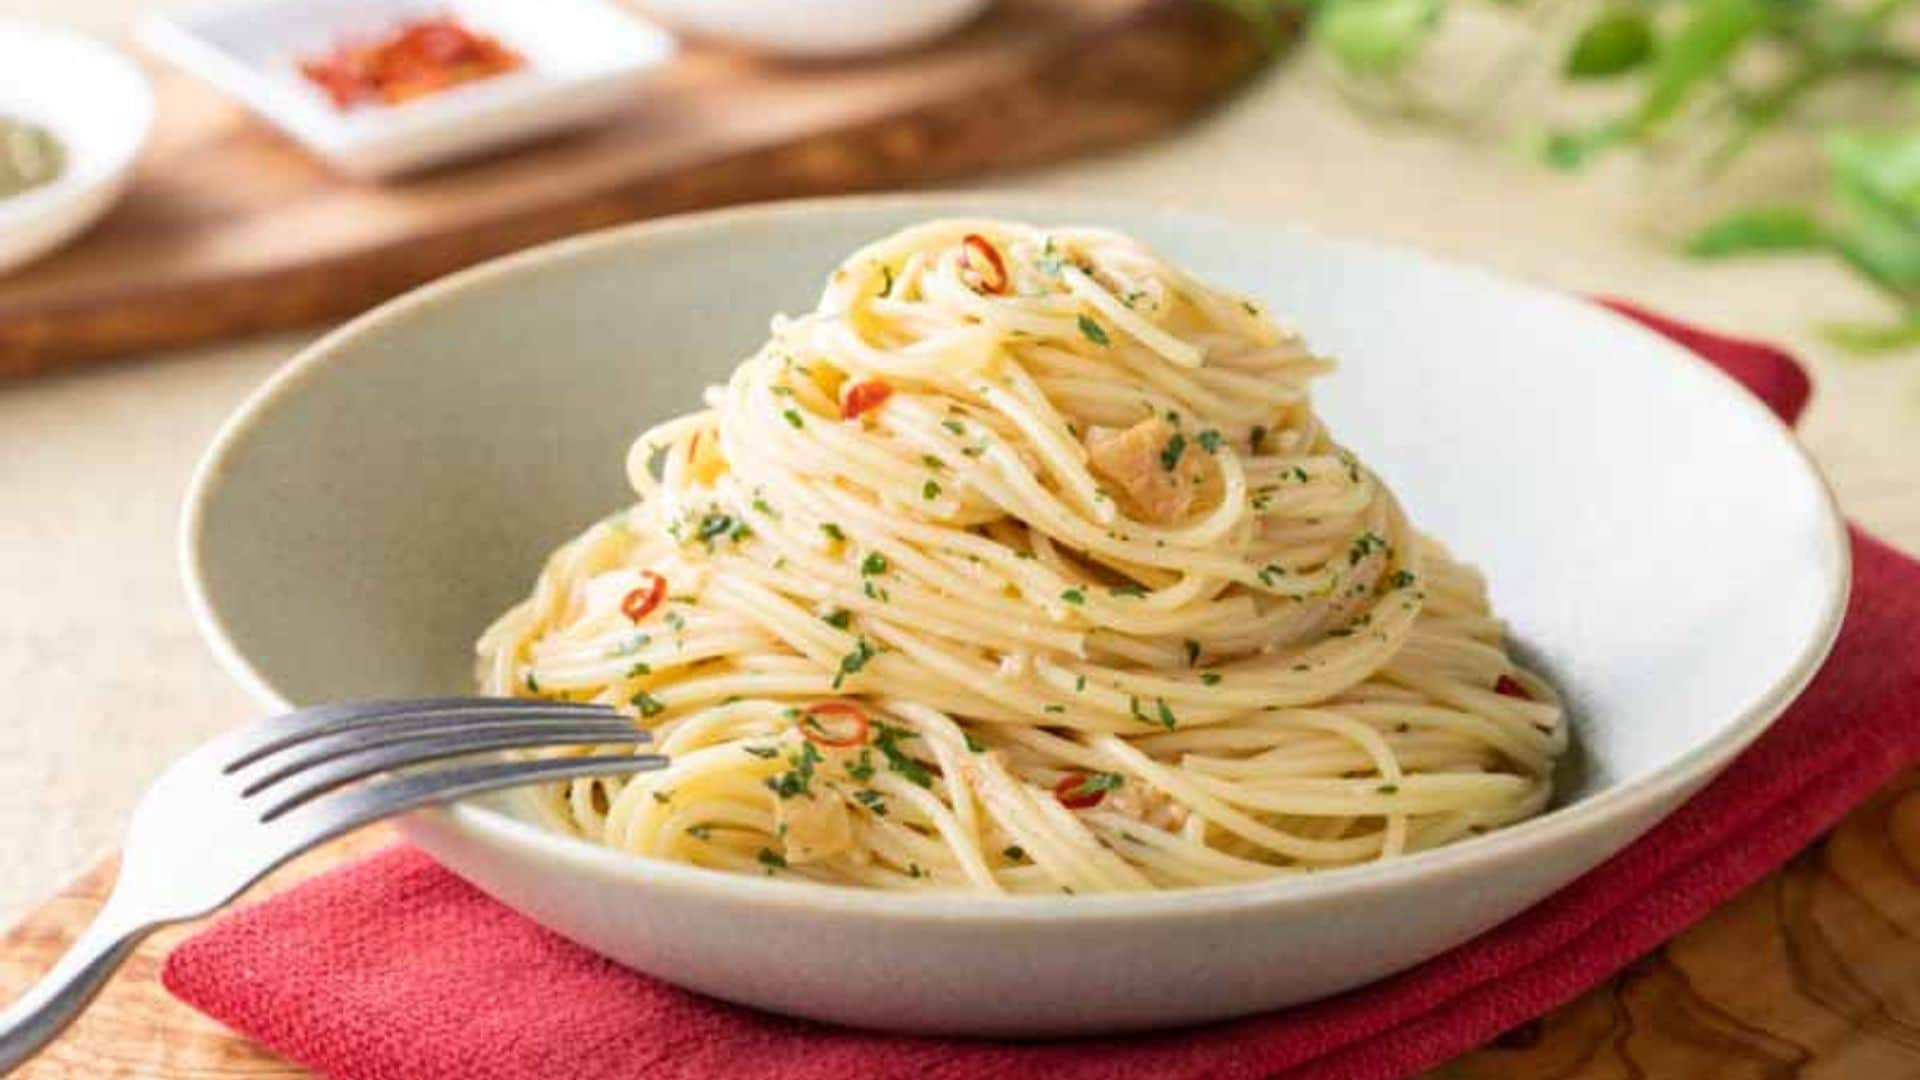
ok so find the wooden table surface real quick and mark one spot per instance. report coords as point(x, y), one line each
point(1816, 969)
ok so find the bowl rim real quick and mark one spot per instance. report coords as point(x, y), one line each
point(74, 185)
point(494, 828)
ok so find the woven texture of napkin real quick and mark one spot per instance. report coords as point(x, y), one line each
point(394, 969)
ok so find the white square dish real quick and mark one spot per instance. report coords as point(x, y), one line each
point(584, 60)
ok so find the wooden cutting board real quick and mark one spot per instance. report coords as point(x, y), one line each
point(230, 229)
point(1812, 973)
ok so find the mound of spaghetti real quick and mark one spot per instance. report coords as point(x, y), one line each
point(1022, 565)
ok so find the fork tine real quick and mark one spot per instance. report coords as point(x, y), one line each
point(333, 815)
point(249, 744)
point(324, 778)
point(315, 756)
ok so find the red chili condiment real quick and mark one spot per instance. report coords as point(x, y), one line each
point(864, 397)
point(1073, 794)
point(639, 603)
point(417, 58)
point(817, 733)
point(989, 270)
point(1510, 687)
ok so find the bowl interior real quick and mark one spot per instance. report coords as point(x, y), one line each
point(1651, 534)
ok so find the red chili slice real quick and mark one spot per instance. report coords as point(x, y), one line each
point(817, 733)
point(864, 397)
point(989, 270)
point(641, 601)
point(1510, 687)
point(1073, 794)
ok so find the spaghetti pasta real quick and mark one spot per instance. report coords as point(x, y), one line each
point(1022, 564)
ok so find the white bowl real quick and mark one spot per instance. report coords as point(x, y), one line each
point(1660, 544)
point(100, 108)
point(814, 29)
point(586, 59)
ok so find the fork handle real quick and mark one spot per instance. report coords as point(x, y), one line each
point(52, 1003)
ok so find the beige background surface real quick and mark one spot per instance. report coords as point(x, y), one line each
point(105, 680)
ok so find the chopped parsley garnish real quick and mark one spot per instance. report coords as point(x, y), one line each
point(973, 744)
point(1367, 543)
point(872, 800)
point(1129, 589)
point(657, 463)
point(760, 505)
point(639, 668)
point(1162, 714)
point(1269, 572)
point(874, 564)
point(700, 832)
point(1093, 331)
point(1257, 438)
point(1079, 683)
point(1056, 709)
point(914, 871)
point(1193, 651)
point(1074, 596)
point(887, 741)
point(954, 426)
point(647, 704)
point(862, 768)
point(838, 618)
point(533, 683)
point(1210, 441)
point(767, 753)
point(1388, 789)
point(1211, 678)
point(1400, 579)
point(1049, 261)
point(886, 288)
point(930, 491)
point(799, 779)
point(1014, 853)
point(662, 797)
point(833, 531)
point(851, 663)
point(932, 462)
point(793, 419)
point(1171, 453)
point(1096, 784)
point(771, 859)
point(630, 646)
point(714, 526)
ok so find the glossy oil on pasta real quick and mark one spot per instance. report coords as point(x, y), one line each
point(1022, 564)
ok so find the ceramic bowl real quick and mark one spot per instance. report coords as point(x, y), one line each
point(100, 108)
point(814, 29)
point(1657, 540)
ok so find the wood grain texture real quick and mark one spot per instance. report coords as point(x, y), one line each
point(229, 229)
point(1811, 973)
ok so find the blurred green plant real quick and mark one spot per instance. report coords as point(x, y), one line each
point(1744, 68)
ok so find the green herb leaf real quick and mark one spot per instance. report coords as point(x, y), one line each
point(1375, 37)
point(1093, 331)
point(1758, 230)
point(648, 704)
point(1614, 43)
point(1696, 53)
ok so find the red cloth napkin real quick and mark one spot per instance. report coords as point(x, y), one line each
point(394, 969)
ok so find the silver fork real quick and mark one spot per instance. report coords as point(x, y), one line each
point(249, 800)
